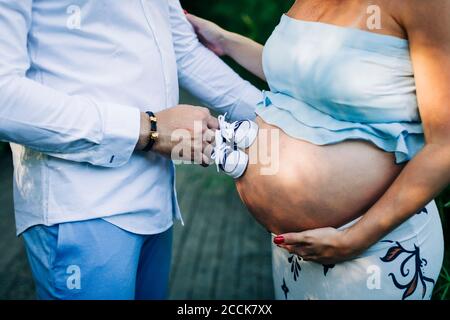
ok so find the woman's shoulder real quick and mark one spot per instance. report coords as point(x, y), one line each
point(418, 13)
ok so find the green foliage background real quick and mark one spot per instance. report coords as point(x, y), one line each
point(257, 19)
point(253, 18)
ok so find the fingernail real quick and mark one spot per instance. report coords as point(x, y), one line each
point(279, 240)
point(186, 12)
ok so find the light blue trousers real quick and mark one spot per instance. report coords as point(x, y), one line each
point(95, 260)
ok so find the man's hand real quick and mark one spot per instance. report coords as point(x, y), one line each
point(185, 133)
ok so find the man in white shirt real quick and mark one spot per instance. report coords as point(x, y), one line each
point(77, 78)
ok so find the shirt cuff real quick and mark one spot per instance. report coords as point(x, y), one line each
point(121, 128)
point(246, 106)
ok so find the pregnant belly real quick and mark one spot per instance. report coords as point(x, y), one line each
point(312, 186)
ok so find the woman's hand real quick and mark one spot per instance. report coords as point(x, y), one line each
point(210, 34)
point(244, 51)
point(326, 246)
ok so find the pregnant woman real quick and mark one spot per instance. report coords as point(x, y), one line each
point(362, 105)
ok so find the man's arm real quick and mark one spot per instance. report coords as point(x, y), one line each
point(205, 75)
point(75, 128)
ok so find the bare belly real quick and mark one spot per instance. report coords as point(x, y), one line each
point(314, 186)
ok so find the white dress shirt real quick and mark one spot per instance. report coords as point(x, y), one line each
point(74, 77)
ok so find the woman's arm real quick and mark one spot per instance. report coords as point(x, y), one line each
point(223, 90)
point(428, 27)
point(244, 51)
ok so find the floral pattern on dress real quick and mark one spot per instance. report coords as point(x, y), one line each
point(424, 210)
point(294, 261)
point(327, 267)
point(417, 276)
point(285, 289)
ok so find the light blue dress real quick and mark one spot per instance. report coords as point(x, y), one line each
point(331, 84)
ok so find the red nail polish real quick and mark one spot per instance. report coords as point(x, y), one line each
point(279, 240)
point(186, 12)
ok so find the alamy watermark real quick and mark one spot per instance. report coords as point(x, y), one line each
point(374, 277)
point(73, 21)
point(374, 20)
point(194, 147)
point(73, 281)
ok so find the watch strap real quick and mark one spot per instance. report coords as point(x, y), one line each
point(153, 131)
